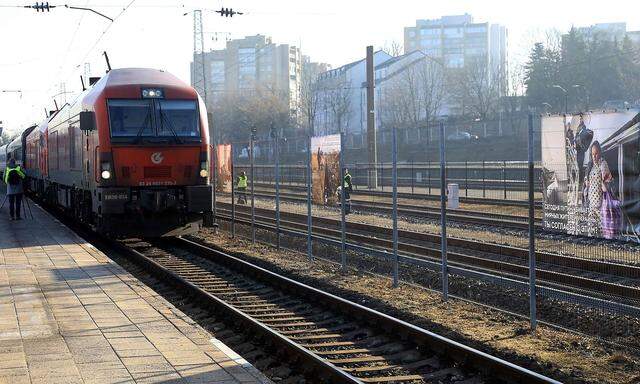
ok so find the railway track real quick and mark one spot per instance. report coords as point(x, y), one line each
point(328, 339)
point(571, 274)
point(410, 195)
point(462, 216)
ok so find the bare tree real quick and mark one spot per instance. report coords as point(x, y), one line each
point(235, 114)
point(309, 101)
point(431, 76)
point(394, 48)
point(477, 87)
point(338, 100)
point(413, 96)
point(399, 104)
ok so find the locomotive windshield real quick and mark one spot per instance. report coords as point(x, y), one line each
point(177, 117)
point(145, 119)
point(130, 118)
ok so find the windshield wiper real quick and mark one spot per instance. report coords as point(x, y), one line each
point(144, 125)
point(169, 124)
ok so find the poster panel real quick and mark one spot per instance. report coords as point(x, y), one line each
point(223, 168)
point(590, 174)
point(325, 169)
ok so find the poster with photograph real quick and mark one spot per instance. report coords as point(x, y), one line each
point(325, 169)
point(591, 174)
point(223, 168)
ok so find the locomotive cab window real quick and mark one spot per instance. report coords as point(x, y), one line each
point(130, 118)
point(177, 117)
point(154, 119)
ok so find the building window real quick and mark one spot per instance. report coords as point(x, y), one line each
point(247, 61)
point(455, 61)
point(430, 31)
point(217, 74)
point(453, 32)
point(478, 29)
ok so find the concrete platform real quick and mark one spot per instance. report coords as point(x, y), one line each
point(68, 314)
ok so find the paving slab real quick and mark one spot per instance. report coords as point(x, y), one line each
point(69, 314)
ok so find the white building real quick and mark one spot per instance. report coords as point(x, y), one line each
point(607, 31)
point(340, 99)
point(343, 94)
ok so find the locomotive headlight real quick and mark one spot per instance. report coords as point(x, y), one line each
point(152, 93)
point(106, 170)
point(204, 169)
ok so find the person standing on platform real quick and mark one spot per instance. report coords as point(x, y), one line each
point(13, 177)
point(242, 188)
point(347, 187)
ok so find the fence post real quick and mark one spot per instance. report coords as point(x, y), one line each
point(412, 176)
point(233, 196)
point(215, 184)
point(443, 216)
point(484, 183)
point(277, 177)
point(532, 247)
point(394, 177)
point(309, 219)
point(343, 248)
point(504, 178)
point(253, 201)
point(429, 176)
point(382, 175)
point(466, 178)
point(355, 173)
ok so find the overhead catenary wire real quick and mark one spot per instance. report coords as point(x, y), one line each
point(73, 38)
point(102, 35)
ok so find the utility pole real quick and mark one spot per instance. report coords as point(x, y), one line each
point(371, 122)
point(199, 83)
point(199, 69)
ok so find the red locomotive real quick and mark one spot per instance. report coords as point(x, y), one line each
point(130, 156)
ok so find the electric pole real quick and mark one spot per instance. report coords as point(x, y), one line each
point(371, 122)
point(199, 68)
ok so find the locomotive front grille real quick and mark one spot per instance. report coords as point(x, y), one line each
point(157, 172)
point(187, 171)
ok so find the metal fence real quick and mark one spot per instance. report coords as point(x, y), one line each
point(496, 250)
point(492, 180)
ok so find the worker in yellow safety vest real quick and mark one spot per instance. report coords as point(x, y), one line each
point(242, 188)
point(13, 177)
point(347, 187)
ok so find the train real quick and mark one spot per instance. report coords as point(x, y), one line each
point(130, 156)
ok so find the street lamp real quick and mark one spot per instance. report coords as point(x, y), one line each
point(576, 86)
point(566, 96)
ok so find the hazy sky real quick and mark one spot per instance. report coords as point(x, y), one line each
point(40, 51)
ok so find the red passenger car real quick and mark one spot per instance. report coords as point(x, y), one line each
point(130, 156)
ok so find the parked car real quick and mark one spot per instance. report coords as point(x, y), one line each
point(615, 104)
point(462, 136)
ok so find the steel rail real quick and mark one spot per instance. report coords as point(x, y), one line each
point(477, 261)
point(496, 369)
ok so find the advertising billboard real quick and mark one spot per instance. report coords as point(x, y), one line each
point(325, 169)
point(223, 168)
point(590, 174)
